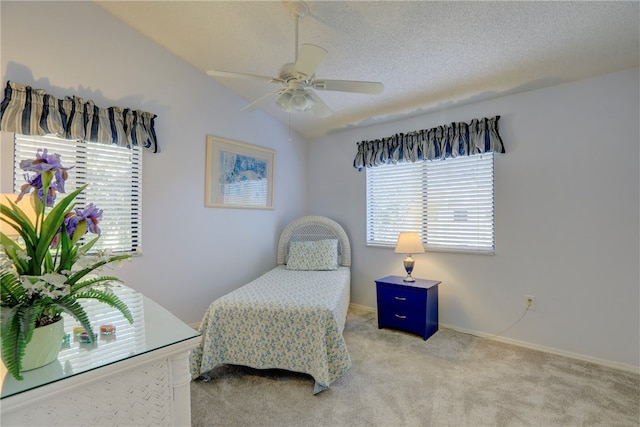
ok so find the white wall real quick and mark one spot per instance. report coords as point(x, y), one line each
point(192, 254)
point(566, 215)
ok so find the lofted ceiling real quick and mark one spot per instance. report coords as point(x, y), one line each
point(429, 55)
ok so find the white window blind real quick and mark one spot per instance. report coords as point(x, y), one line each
point(114, 175)
point(450, 203)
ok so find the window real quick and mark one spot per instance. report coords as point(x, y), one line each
point(114, 175)
point(449, 202)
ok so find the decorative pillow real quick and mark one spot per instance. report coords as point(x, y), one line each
point(313, 255)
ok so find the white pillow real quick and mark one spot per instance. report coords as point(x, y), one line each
point(313, 255)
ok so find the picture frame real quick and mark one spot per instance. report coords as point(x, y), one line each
point(238, 175)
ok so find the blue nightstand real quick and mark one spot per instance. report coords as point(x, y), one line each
point(408, 306)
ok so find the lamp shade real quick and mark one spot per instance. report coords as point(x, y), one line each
point(409, 243)
point(26, 205)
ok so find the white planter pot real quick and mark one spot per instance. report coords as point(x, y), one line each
point(44, 346)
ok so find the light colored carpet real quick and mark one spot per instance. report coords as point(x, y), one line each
point(398, 379)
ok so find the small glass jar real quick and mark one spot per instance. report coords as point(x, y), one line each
point(107, 330)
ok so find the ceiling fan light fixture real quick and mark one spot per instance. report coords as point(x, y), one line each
point(301, 101)
point(284, 101)
point(295, 101)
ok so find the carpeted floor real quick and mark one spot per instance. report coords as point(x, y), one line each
point(398, 379)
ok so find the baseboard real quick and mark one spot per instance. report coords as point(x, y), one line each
point(545, 349)
point(195, 325)
point(362, 307)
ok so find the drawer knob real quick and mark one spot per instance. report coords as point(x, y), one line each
point(399, 316)
point(401, 298)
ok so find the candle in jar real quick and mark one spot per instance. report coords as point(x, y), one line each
point(107, 329)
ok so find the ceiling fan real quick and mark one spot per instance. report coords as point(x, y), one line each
point(298, 78)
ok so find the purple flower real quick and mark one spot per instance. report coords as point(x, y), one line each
point(44, 163)
point(79, 223)
point(91, 215)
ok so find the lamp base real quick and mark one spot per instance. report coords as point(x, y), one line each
point(408, 266)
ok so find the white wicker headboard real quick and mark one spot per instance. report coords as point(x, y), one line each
point(314, 227)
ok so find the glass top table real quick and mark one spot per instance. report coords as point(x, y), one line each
point(153, 328)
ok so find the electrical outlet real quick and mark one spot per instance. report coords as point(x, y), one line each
point(530, 302)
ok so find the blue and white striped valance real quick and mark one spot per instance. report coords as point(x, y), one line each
point(30, 111)
point(456, 139)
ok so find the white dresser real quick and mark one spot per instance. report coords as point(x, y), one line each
point(139, 376)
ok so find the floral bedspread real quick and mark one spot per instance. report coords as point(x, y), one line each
point(284, 319)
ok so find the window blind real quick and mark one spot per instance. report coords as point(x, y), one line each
point(450, 203)
point(114, 175)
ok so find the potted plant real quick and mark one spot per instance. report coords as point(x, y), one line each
point(47, 272)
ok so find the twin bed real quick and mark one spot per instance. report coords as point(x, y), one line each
point(291, 317)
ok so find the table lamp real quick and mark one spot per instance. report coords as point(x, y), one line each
point(409, 243)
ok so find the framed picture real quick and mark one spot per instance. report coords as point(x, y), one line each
point(238, 175)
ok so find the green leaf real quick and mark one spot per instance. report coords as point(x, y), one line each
point(91, 282)
point(17, 330)
point(85, 248)
point(49, 264)
point(11, 248)
point(13, 344)
point(80, 274)
point(70, 305)
point(66, 254)
point(11, 291)
point(107, 298)
point(52, 223)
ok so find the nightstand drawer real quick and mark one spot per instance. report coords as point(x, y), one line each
point(402, 298)
point(410, 321)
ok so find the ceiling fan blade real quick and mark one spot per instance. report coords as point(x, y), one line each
point(372, 88)
point(270, 97)
point(219, 73)
point(309, 59)
point(321, 109)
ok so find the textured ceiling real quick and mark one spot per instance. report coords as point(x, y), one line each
point(429, 55)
